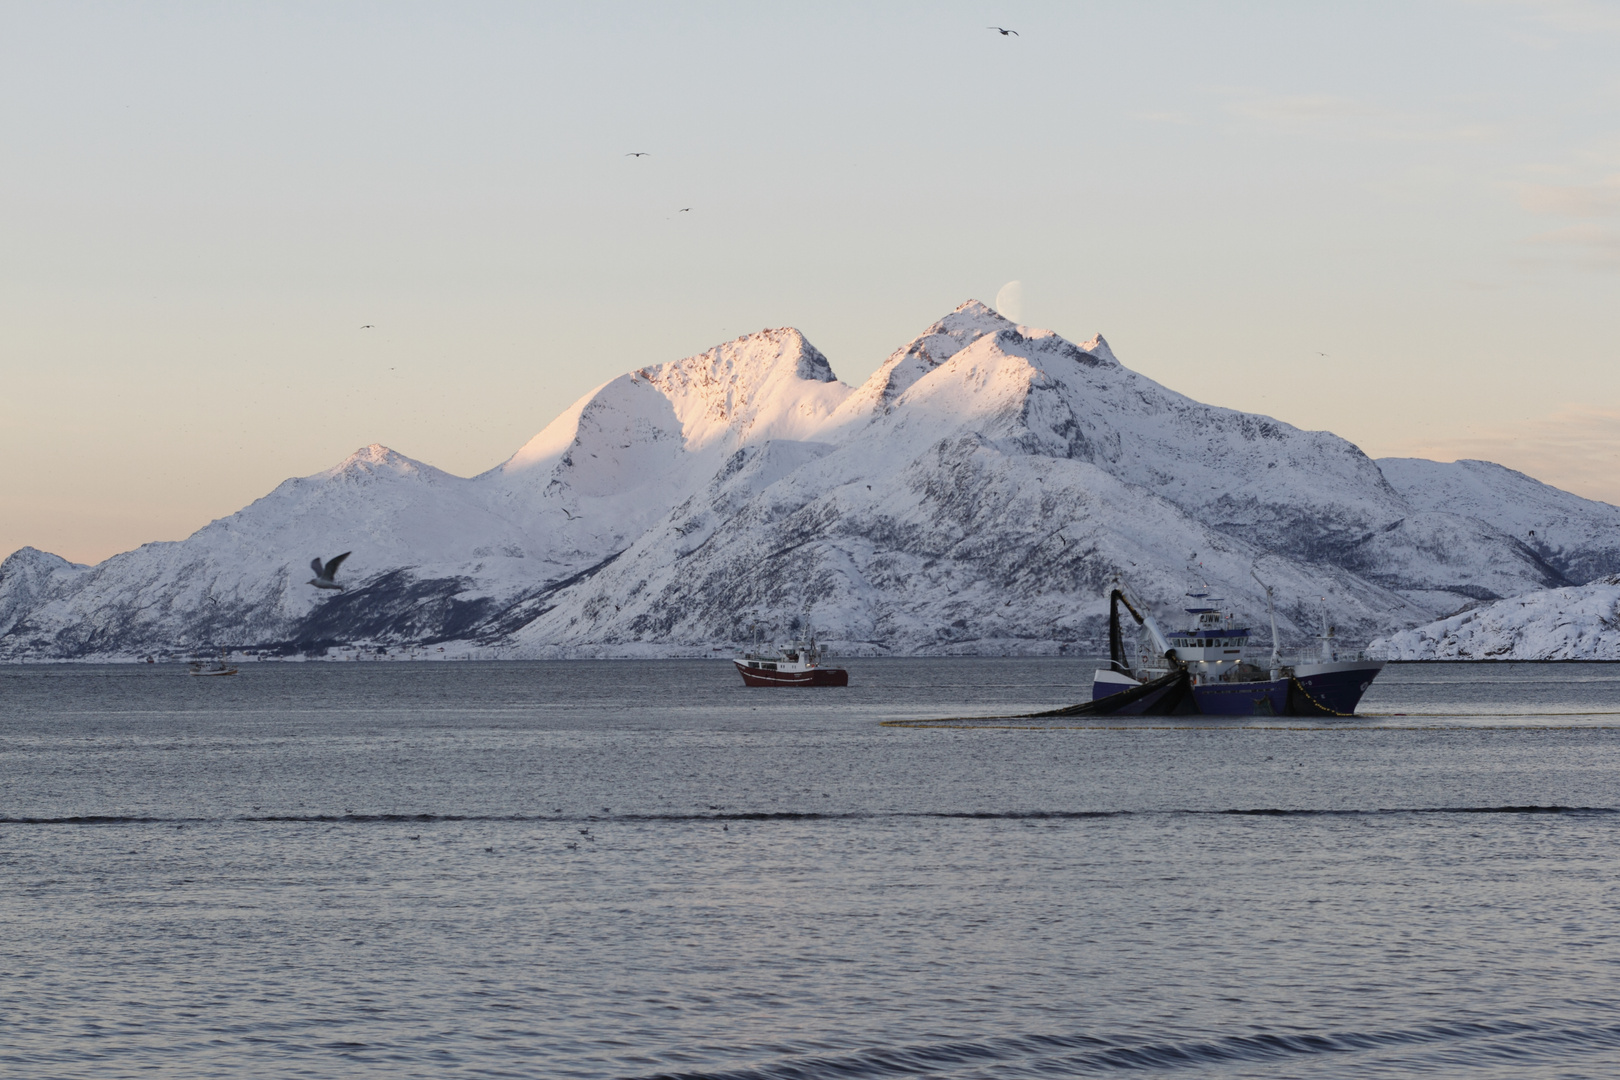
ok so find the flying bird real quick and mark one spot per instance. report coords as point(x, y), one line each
point(368, 326)
point(323, 574)
point(683, 210)
point(1001, 31)
point(636, 153)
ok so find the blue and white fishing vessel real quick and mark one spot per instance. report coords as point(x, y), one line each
point(1207, 668)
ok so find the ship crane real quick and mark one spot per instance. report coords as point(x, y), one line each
point(1116, 645)
point(1271, 613)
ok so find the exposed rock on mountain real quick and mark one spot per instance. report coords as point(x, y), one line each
point(974, 495)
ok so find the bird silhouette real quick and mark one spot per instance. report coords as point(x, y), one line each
point(1002, 31)
point(368, 326)
point(637, 153)
point(684, 210)
point(323, 573)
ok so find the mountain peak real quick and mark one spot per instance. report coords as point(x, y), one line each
point(1099, 348)
point(751, 358)
point(375, 453)
point(32, 558)
point(378, 460)
point(26, 575)
point(972, 313)
point(971, 306)
point(972, 320)
point(750, 385)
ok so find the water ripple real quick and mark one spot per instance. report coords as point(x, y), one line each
point(1046, 1055)
point(793, 816)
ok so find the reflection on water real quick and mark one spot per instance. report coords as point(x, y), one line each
point(643, 869)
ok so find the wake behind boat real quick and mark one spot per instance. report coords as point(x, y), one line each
point(1205, 669)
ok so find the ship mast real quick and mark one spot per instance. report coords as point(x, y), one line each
point(1271, 613)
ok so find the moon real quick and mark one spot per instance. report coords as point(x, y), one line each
point(1010, 301)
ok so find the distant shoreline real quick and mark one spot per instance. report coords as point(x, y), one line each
point(296, 659)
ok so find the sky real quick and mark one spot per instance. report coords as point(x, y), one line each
point(239, 241)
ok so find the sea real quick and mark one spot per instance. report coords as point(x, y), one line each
point(644, 869)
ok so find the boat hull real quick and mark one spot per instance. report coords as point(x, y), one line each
point(817, 676)
point(1332, 689)
point(1169, 698)
point(1327, 689)
point(1243, 699)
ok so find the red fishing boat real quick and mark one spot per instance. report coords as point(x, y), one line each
point(800, 664)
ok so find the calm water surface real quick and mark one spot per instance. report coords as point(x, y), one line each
point(639, 869)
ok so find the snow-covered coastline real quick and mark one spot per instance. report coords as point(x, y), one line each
point(1575, 623)
point(973, 496)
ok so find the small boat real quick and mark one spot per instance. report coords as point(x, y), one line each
point(1206, 670)
point(801, 664)
point(218, 667)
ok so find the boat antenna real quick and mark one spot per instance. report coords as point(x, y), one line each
point(1271, 613)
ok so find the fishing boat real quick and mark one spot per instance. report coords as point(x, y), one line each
point(1206, 669)
point(217, 667)
point(802, 663)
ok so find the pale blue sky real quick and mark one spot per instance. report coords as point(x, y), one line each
point(200, 204)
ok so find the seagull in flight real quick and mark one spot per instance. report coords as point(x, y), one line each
point(637, 153)
point(368, 326)
point(1003, 32)
point(323, 573)
point(684, 210)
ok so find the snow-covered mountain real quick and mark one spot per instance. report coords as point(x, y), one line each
point(1581, 622)
point(974, 495)
point(1578, 537)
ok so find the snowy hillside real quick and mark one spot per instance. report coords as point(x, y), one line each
point(1576, 623)
point(1580, 538)
point(974, 495)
